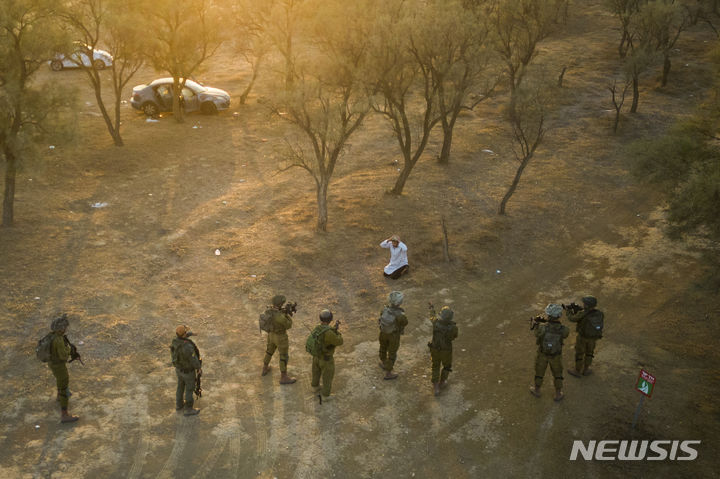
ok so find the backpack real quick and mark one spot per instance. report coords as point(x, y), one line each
point(387, 321)
point(266, 321)
point(314, 343)
point(43, 351)
point(441, 335)
point(551, 342)
point(593, 324)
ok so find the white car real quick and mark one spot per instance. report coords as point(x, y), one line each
point(157, 97)
point(80, 57)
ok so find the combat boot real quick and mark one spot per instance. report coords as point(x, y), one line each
point(436, 389)
point(574, 372)
point(390, 375)
point(191, 411)
point(285, 379)
point(535, 391)
point(65, 416)
point(587, 372)
point(558, 395)
point(443, 384)
point(266, 369)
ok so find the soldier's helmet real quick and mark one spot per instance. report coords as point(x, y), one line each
point(60, 323)
point(553, 310)
point(446, 313)
point(326, 316)
point(278, 300)
point(396, 298)
point(589, 301)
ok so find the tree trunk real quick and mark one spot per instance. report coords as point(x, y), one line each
point(9, 196)
point(402, 178)
point(178, 109)
point(622, 51)
point(177, 101)
point(116, 134)
point(636, 94)
point(666, 70)
point(514, 184)
point(447, 144)
point(561, 76)
point(446, 243)
point(289, 66)
point(322, 219)
point(246, 92)
point(112, 129)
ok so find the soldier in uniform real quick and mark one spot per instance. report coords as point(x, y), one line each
point(392, 324)
point(444, 333)
point(587, 335)
point(550, 337)
point(186, 359)
point(60, 352)
point(278, 339)
point(323, 366)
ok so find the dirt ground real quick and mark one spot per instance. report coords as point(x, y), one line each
point(131, 271)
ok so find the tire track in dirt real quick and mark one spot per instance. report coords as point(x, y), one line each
point(140, 406)
point(317, 455)
point(185, 426)
point(230, 437)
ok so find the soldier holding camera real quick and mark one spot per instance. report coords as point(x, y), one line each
point(590, 322)
point(280, 321)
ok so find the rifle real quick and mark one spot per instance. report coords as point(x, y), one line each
point(73, 351)
point(198, 372)
point(198, 383)
point(535, 320)
point(337, 325)
point(431, 307)
point(572, 307)
point(290, 308)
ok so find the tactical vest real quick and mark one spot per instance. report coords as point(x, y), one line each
point(181, 351)
point(442, 335)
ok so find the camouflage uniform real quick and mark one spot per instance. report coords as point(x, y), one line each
point(390, 341)
point(542, 360)
point(60, 352)
point(59, 356)
point(584, 344)
point(324, 366)
point(186, 359)
point(444, 333)
point(277, 339)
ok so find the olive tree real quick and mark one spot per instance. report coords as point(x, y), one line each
point(326, 100)
point(518, 27)
point(185, 33)
point(120, 26)
point(405, 92)
point(528, 121)
point(29, 37)
point(251, 37)
point(452, 43)
point(662, 21)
